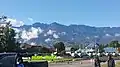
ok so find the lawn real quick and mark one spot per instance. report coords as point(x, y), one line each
point(49, 59)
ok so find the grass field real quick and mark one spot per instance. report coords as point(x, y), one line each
point(56, 60)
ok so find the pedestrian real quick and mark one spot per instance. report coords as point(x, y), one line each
point(20, 62)
point(111, 61)
point(97, 62)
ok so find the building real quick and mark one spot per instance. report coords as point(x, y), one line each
point(92, 46)
point(110, 50)
point(68, 50)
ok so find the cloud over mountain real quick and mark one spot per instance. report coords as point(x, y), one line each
point(39, 33)
point(15, 22)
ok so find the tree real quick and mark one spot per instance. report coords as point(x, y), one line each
point(59, 46)
point(11, 43)
point(114, 44)
point(74, 48)
point(101, 48)
point(7, 40)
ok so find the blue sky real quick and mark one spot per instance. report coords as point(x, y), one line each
point(87, 12)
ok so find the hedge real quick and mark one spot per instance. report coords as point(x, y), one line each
point(44, 58)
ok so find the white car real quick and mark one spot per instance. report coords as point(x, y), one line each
point(113, 54)
point(119, 54)
point(79, 54)
point(89, 54)
point(94, 54)
point(73, 54)
point(98, 54)
point(106, 54)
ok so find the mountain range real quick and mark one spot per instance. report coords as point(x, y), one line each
point(48, 34)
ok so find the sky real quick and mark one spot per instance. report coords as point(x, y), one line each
point(98, 13)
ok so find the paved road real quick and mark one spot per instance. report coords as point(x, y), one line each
point(73, 64)
point(86, 63)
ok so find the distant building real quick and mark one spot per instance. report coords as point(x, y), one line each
point(92, 46)
point(68, 50)
point(85, 50)
point(110, 50)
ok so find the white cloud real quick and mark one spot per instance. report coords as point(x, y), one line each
point(107, 35)
point(40, 30)
point(72, 38)
point(48, 40)
point(117, 34)
point(55, 36)
point(17, 36)
point(32, 33)
point(45, 35)
point(50, 32)
point(87, 37)
point(30, 19)
point(64, 33)
point(16, 30)
point(24, 35)
point(15, 22)
point(96, 36)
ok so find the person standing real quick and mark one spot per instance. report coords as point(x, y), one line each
point(111, 61)
point(20, 63)
point(97, 62)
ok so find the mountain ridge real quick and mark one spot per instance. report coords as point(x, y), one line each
point(40, 33)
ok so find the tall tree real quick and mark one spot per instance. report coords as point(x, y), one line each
point(59, 46)
point(7, 40)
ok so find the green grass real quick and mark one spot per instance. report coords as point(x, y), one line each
point(48, 58)
point(55, 60)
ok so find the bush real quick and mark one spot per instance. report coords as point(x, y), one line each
point(37, 57)
point(48, 58)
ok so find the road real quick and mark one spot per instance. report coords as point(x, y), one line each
point(87, 63)
point(73, 64)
